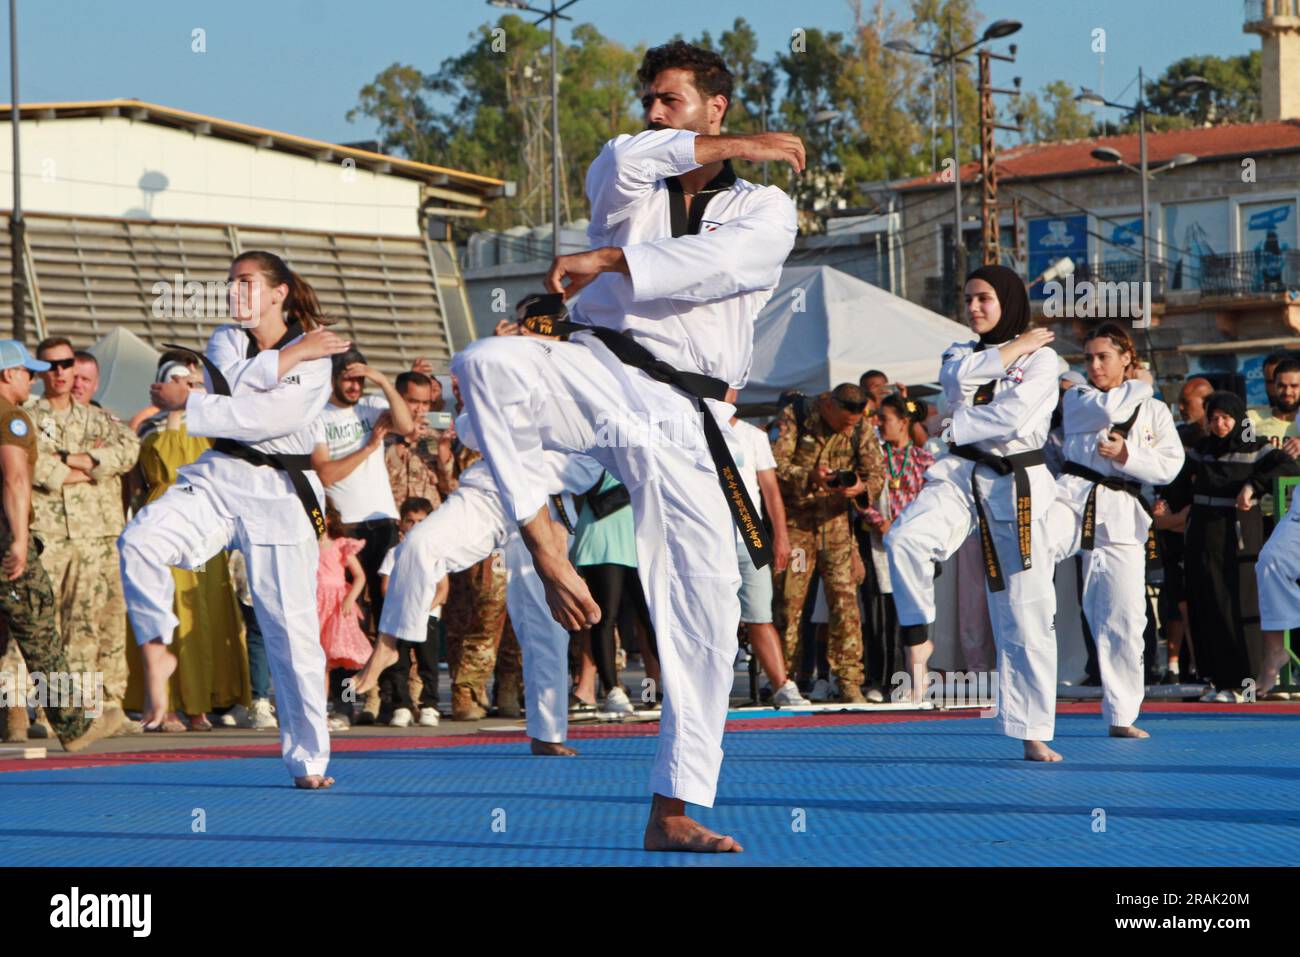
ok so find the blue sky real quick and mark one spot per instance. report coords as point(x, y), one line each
point(296, 65)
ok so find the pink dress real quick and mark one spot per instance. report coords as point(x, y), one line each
point(341, 636)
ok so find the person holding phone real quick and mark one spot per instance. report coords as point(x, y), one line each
point(421, 465)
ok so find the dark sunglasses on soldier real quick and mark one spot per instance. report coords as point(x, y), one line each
point(61, 363)
point(854, 407)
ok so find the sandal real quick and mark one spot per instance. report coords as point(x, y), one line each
point(200, 722)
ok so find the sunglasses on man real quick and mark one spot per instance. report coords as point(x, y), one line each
point(61, 363)
point(855, 407)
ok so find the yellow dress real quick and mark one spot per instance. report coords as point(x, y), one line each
point(212, 659)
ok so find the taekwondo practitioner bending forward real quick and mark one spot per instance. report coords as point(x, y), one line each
point(686, 254)
point(1002, 390)
point(1278, 575)
point(255, 491)
point(463, 531)
point(1118, 438)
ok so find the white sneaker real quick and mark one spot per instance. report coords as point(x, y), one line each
point(788, 696)
point(261, 717)
point(401, 718)
point(428, 718)
point(821, 690)
point(1208, 696)
point(338, 723)
point(236, 717)
point(1226, 697)
point(616, 702)
point(874, 695)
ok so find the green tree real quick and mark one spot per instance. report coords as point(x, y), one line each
point(1054, 118)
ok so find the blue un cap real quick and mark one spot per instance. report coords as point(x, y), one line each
point(14, 354)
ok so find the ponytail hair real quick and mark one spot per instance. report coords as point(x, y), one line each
point(301, 304)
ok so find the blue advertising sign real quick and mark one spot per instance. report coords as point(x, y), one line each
point(1052, 238)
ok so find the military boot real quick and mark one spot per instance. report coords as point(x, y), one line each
point(463, 705)
point(850, 694)
point(509, 694)
point(15, 724)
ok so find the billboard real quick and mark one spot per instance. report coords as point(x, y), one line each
point(1053, 237)
point(1192, 231)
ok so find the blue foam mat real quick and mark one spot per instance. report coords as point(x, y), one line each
point(1205, 790)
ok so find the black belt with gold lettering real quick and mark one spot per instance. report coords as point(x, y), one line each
point(699, 387)
point(1088, 538)
point(1018, 465)
point(295, 467)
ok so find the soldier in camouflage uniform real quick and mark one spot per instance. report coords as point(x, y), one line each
point(26, 598)
point(83, 454)
point(478, 627)
point(817, 440)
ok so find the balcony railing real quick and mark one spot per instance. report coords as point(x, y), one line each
point(1123, 270)
point(1253, 273)
point(1257, 10)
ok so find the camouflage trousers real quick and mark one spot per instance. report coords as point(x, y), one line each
point(27, 606)
point(829, 551)
point(480, 639)
point(87, 583)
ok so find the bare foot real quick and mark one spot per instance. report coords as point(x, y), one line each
point(567, 594)
point(1271, 671)
point(669, 829)
point(159, 664)
point(1039, 751)
point(382, 656)
point(551, 748)
point(313, 782)
point(1127, 731)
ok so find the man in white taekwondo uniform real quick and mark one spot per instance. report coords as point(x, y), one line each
point(1118, 439)
point(1278, 575)
point(686, 257)
point(464, 530)
point(225, 500)
point(1002, 392)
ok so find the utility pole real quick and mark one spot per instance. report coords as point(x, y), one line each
point(990, 211)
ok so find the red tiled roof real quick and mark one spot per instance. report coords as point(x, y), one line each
point(1073, 156)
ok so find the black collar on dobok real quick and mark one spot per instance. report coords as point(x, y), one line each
point(684, 223)
point(699, 387)
point(295, 467)
point(1017, 465)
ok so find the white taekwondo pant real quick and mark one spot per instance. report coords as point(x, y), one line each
point(524, 394)
point(1277, 571)
point(461, 532)
point(186, 528)
point(1114, 601)
point(931, 529)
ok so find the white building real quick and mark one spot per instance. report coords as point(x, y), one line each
point(120, 196)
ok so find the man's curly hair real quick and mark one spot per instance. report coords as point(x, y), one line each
point(712, 78)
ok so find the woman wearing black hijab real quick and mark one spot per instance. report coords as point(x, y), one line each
point(1226, 475)
point(1001, 391)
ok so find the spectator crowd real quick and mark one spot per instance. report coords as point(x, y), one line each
point(830, 474)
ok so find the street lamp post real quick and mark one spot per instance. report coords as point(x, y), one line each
point(17, 226)
point(1191, 84)
point(951, 56)
point(553, 15)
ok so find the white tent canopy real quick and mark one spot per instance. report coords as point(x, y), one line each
point(823, 327)
point(127, 365)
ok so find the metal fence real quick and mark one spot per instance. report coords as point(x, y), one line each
point(1245, 274)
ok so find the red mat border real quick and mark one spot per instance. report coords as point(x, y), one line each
point(344, 745)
